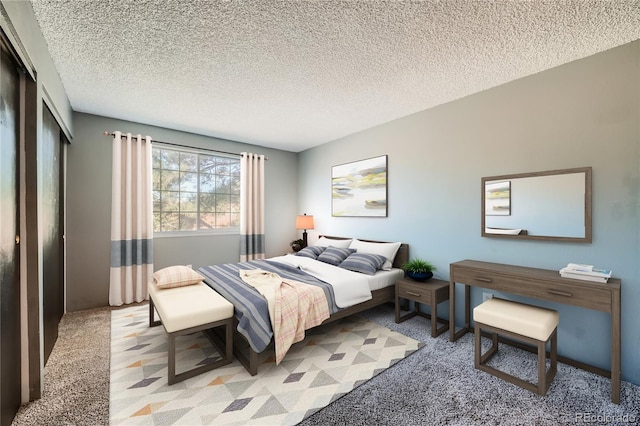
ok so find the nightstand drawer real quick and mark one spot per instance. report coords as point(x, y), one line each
point(417, 292)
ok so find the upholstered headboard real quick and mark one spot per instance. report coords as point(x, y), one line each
point(402, 255)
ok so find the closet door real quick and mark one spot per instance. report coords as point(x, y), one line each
point(52, 230)
point(9, 251)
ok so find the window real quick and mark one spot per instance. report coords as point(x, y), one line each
point(194, 191)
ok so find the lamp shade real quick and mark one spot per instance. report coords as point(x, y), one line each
point(304, 222)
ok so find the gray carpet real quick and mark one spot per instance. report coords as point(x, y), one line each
point(437, 385)
point(76, 377)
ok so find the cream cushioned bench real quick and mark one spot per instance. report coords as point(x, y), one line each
point(531, 324)
point(186, 310)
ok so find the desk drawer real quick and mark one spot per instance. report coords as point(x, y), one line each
point(585, 294)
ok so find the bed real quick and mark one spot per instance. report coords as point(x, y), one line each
point(253, 325)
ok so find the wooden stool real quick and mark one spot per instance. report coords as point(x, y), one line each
point(530, 324)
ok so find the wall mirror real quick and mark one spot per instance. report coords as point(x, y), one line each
point(553, 205)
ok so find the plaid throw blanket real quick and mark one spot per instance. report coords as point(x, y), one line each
point(250, 307)
point(293, 306)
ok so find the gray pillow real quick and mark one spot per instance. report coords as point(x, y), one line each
point(365, 263)
point(334, 255)
point(313, 252)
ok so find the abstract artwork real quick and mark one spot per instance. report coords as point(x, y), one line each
point(360, 188)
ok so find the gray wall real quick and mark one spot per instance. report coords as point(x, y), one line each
point(585, 113)
point(89, 208)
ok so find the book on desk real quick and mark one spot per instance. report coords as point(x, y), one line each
point(579, 271)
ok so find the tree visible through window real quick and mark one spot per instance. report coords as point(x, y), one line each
point(193, 191)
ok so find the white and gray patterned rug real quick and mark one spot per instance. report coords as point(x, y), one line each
point(331, 361)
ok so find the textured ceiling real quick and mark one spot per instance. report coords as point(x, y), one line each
point(296, 74)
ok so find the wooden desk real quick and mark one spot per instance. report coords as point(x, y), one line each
point(539, 284)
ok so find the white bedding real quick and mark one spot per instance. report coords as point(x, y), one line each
point(347, 285)
point(350, 288)
point(384, 279)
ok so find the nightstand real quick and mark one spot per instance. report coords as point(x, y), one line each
point(430, 293)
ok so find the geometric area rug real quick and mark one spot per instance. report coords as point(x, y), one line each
point(332, 360)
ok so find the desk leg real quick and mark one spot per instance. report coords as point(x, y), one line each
point(452, 310)
point(467, 307)
point(453, 335)
point(615, 347)
point(434, 314)
point(397, 300)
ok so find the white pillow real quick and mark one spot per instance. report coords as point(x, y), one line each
point(326, 242)
point(387, 250)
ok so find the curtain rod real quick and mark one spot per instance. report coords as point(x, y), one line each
point(106, 133)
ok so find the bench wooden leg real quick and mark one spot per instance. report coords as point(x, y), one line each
point(224, 348)
point(242, 351)
point(152, 320)
point(229, 341)
point(171, 357)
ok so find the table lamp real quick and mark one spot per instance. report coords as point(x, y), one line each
point(304, 222)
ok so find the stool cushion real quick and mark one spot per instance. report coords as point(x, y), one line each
point(531, 321)
point(181, 308)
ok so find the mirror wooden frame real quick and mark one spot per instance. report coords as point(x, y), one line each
point(524, 236)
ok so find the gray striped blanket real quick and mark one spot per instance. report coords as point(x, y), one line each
point(250, 307)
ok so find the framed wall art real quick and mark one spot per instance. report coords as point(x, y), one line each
point(360, 188)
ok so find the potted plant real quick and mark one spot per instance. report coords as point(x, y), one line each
point(418, 269)
point(297, 245)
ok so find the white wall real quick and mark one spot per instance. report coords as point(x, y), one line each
point(585, 113)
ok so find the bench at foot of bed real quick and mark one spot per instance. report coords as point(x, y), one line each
point(186, 310)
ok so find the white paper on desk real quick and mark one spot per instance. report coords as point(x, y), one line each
point(579, 267)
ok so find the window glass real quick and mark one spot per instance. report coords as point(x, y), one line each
point(194, 191)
